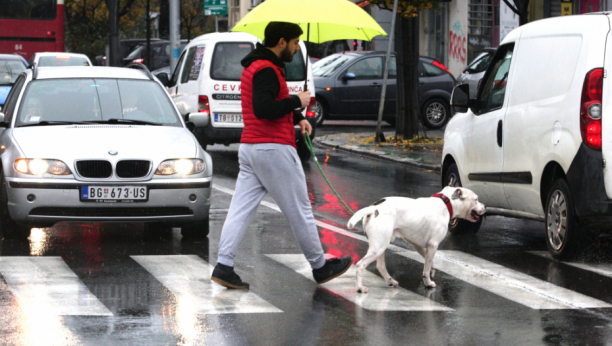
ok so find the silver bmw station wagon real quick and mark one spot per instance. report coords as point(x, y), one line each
point(99, 144)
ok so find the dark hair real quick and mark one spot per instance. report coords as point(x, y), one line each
point(277, 30)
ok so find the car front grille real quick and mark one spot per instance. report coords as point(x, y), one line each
point(94, 168)
point(132, 168)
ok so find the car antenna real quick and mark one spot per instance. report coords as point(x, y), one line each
point(34, 70)
point(141, 67)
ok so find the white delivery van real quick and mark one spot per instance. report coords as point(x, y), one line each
point(206, 84)
point(536, 142)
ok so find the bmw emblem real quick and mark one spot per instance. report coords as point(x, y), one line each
point(112, 152)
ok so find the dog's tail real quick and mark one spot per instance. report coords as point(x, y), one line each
point(360, 214)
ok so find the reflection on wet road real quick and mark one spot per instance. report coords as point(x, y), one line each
point(110, 284)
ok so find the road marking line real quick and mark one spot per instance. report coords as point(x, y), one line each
point(49, 286)
point(604, 269)
point(188, 277)
point(380, 297)
point(510, 284)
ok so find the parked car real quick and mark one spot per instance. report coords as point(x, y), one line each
point(160, 54)
point(348, 87)
point(108, 145)
point(536, 142)
point(205, 85)
point(56, 59)
point(474, 72)
point(11, 65)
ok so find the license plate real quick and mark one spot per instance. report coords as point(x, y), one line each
point(228, 118)
point(113, 194)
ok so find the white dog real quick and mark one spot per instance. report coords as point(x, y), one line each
point(422, 222)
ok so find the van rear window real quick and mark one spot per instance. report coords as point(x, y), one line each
point(226, 60)
point(295, 68)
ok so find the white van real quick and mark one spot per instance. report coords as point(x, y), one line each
point(536, 140)
point(206, 84)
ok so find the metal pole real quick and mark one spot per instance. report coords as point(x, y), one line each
point(379, 135)
point(175, 33)
point(113, 19)
point(148, 61)
point(216, 23)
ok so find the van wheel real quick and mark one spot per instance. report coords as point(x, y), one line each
point(8, 227)
point(195, 230)
point(436, 113)
point(459, 226)
point(563, 232)
point(320, 111)
point(303, 151)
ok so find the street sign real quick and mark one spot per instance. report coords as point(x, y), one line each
point(566, 9)
point(215, 7)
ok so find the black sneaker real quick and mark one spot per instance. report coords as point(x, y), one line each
point(332, 269)
point(225, 276)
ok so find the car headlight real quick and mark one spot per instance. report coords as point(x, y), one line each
point(41, 166)
point(181, 166)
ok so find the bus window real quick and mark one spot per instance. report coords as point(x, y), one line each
point(19, 9)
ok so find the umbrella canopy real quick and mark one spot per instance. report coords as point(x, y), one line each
point(321, 20)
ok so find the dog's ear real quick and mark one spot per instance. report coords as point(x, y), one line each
point(458, 194)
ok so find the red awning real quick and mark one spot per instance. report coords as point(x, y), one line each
point(363, 3)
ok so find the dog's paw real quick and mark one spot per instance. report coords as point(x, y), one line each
point(362, 290)
point(392, 282)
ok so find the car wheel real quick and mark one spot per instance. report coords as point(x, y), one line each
point(303, 151)
point(157, 231)
point(8, 227)
point(459, 226)
point(195, 230)
point(436, 113)
point(320, 112)
point(563, 233)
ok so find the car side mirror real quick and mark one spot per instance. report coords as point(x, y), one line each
point(349, 76)
point(2, 123)
point(199, 119)
point(190, 126)
point(460, 99)
point(163, 78)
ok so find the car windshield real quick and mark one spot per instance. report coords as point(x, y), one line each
point(326, 67)
point(95, 100)
point(62, 60)
point(10, 70)
point(481, 63)
point(135, 53)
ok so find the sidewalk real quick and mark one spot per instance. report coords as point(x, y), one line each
point(423, 155)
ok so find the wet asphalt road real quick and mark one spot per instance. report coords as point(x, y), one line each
point(110, 284)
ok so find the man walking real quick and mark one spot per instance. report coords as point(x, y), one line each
point(268, 159)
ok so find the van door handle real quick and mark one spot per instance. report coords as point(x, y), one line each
point(374, 85)
point(421, 82)
point(499, 133)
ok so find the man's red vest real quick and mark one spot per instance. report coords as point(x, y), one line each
point(257, 130)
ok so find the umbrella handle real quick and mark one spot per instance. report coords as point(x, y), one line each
point(306, 72)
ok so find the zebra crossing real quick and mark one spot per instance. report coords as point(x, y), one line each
point(51, 285)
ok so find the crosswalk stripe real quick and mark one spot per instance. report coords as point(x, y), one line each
point(188, 278)
point(604, 269)
point(380, 297)
point(49, 286)
point(510, 284)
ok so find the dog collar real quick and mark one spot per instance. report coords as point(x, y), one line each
point(449, 206)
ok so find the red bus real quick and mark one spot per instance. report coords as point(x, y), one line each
point(30, 26)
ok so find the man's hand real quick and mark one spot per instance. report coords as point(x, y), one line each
point(305, 125)
point(304, 98)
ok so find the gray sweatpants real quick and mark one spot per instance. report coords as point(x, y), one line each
point(275, 169)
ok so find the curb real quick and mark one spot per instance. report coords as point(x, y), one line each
point(378, 155)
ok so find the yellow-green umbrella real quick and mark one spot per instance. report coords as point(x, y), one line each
point(321, 20)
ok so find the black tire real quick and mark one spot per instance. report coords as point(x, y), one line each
point(303, 151)
point(8, 227)
point(195, 230)
point(564, 235)
point(459, 226)
point(157, 231)
point(320, 111)
point(435, 113)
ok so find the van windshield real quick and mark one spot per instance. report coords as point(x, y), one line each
point(226, 60)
